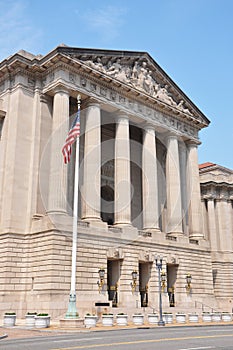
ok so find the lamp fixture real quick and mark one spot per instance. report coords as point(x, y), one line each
point(101, 278)
point(134, 280)
point(188, 282)
point(163, 280)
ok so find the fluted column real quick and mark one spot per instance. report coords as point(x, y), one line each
point(91, 195)
point(195, 224)
point(122, 172)
point(57, 201)
point(230, 213)
point(212, 224)
point(149, 180)
point(224, 221)
point(173, 186)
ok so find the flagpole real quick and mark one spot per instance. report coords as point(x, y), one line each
point(72, 310)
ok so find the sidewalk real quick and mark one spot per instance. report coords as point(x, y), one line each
point(20, 330)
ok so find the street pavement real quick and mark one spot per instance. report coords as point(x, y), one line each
point(171, 337)
point(21, 331)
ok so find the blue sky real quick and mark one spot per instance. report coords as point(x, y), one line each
point(192, 40)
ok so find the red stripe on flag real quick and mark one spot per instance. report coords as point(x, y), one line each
point(71, 137)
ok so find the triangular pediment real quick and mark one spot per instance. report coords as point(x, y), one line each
point(139, 72)
point(134, 72)
point(210, 172)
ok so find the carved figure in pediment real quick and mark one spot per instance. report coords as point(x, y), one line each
point(150, 84)
point(142, 76)
point(164, 95)
point(96, 65)
point(114, 68)
point(123, 74)
point(135, 69)
point(182, 107)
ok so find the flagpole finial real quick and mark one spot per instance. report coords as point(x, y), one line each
point(79, 99)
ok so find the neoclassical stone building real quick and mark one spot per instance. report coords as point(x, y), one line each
point(139, 187)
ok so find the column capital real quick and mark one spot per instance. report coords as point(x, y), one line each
point(121, 116)
point(45, 98)
point(192, 143)
point(61, 89)
point(148, 127)
point(92, 102)
point(170, 135)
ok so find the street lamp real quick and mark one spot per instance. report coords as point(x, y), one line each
point(101, 278)
point(134, 280)
point(188, 280)
point(159, 264)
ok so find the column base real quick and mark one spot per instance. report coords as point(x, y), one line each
point(196, 236)
point(151, 229)
point(122, 224)
point(175, 234)
point(127, 229)
point(95, 222)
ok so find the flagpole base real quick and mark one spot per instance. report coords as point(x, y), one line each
point(72, 310)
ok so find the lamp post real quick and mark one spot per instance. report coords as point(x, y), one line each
point(159, 264)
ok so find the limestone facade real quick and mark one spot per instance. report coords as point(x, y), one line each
point(217, 203)
point(139, 188)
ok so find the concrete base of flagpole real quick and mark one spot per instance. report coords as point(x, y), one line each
point(72, 310)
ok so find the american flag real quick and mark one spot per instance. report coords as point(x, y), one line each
point(71, 137)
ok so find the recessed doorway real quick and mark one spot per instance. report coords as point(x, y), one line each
point(171, 282)
point(113, 275)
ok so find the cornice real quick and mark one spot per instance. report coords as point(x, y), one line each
point(61, 56)
point(71, 51)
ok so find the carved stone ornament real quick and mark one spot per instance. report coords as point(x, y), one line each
point(172, 260)
point(139, 76)
point(145, 256)
point(115, 253)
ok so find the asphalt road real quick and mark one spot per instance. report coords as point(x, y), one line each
point(164, 338)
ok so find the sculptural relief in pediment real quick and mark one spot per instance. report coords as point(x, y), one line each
point(137, 74)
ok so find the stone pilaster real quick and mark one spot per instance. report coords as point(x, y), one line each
point(57, 201)
point(173, 183)
point(195, 224)
point(32, 201)
point(149, 180)
point(91, 195)
point(122, 172)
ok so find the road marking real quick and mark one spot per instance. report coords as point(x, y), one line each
point(78, 339)
point(206, 347)
point(143, 341)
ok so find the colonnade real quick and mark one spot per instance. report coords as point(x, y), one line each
point(91, 204)
point(219, 219)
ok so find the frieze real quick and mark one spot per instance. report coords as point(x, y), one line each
point(51, 77)
point(12, 81)
point(136, 107)
point(83, 82)
point(2, 87)
point(31, 82)
point(145, 110)
point(72, 78)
